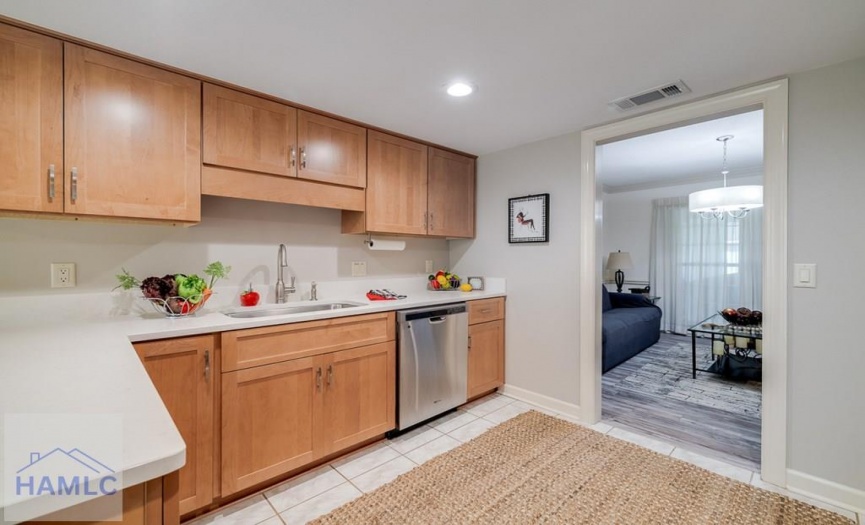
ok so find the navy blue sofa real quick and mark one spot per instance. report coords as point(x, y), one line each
point(631, 323)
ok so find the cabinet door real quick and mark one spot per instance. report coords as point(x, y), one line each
point(267, 421)
point(486, 357)
point(396, 191)
point(132, 139)
point(249, 133)
point(331, 150)
point(451, 200)
point(359, 392)
point(182, 372)
point(31, 121)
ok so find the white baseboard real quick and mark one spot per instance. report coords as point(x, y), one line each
point(560, 407)
point(828, 491)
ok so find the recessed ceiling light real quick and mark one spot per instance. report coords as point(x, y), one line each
point(460, 89)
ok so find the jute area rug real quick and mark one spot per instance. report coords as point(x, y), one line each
point(540, 469)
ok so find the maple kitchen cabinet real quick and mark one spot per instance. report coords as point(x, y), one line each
point(89, 133)
point(486, 367)
point(182, 370)
point(292, 394)
point(31, 121)
point(415, 189)
point(252, 133)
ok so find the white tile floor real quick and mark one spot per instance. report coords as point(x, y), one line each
point(322, 490)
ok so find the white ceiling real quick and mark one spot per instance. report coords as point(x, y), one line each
point(542, 68)
point(684, 154)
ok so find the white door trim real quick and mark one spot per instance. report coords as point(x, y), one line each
point(772, 97)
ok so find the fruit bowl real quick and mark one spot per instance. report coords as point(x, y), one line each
point(179, 306)
point(453, 286)
point(742, 316)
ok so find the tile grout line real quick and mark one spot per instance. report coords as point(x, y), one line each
point(275, 513)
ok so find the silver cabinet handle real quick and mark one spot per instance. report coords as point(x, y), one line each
point(470, 342)
point(207, 365)
point(293, 157)
point(51, 181)
point(425, 220)
point(486, 310)
point(302, 157)
point(431, 221)
point(329, 375)
point(73, 191)
point(318, 378)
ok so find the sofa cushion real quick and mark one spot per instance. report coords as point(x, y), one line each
point(606, 304)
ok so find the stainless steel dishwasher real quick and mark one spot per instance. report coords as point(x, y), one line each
point(433, 361)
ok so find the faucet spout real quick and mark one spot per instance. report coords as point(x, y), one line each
point(281, 263)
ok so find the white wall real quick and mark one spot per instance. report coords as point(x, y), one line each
point(243, 234)
point(827, 227)
point(542, 332)
point(628, 220)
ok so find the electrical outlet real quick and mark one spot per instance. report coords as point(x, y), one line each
point(358, 268)
point(428, 267)
point(62, 275)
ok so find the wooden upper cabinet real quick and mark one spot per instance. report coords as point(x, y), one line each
point(451, 201)
point(396, 191)
point(31, 121)
point(248, 132)
point(132, 139)
point(183, 373)
point(331, 150)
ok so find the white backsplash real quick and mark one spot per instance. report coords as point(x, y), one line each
point(243, 234)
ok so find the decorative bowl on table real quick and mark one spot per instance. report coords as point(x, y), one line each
point(742, 316)
point(179, 306)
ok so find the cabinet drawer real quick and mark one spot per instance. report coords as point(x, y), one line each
point(260, 346)
point(485, 310)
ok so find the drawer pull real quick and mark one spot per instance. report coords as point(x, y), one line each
point(329, 375)
point(207, 365)
point(470, 342)
point(486, 310)
point(318, 378)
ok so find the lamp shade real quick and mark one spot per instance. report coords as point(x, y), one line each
point(619, 261)
point(731, 198)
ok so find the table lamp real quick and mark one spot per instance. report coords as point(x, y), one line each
point(619, 261)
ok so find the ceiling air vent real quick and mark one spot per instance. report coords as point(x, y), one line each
point(653, 95)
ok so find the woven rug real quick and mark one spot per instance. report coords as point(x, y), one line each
point(665, 371)
point(540, 469)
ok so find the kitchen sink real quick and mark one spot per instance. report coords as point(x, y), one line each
point(274, 311)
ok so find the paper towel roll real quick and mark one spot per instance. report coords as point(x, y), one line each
point(381, 244)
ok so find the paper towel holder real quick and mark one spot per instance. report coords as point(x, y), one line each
point(381, 244)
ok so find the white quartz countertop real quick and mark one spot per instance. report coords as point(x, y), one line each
point(63, 355)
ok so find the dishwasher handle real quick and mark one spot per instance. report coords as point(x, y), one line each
point(437, 320)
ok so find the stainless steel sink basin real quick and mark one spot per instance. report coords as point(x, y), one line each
point(274, 311)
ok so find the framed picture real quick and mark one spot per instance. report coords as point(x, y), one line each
point(529, 218)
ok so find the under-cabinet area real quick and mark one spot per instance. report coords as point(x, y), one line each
point(257, 405)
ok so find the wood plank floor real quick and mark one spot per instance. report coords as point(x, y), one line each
point(713, 431)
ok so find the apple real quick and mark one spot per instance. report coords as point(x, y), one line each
point(249, 297)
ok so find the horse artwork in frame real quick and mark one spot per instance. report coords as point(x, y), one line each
point(529, 218)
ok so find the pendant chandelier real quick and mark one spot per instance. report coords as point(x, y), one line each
point(735, 201)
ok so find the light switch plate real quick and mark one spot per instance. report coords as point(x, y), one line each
point(358, 268)
point(805, 275)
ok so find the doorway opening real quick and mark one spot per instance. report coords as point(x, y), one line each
point(772, 99)
point(672, 367)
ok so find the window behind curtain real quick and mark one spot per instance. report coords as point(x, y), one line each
point(700, 266)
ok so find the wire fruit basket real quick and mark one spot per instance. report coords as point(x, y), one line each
point(179, 306)
point(453, 286)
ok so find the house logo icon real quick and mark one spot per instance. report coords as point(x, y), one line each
point(65, 473)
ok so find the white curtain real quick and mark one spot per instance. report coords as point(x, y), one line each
point(700, 266)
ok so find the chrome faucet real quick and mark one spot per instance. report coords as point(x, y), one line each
point(282, 262)
point(313, 292)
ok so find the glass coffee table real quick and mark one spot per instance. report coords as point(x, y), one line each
point(742, 343)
